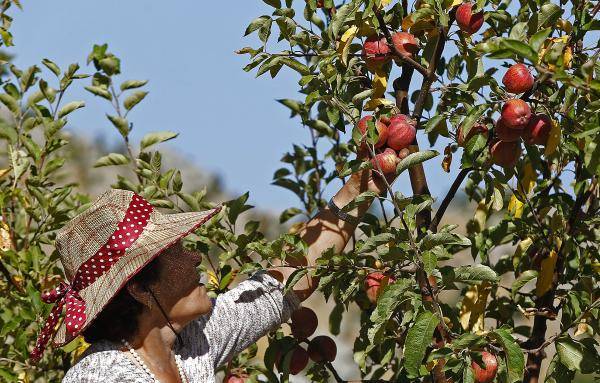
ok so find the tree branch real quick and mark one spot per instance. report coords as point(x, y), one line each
point(449, 196)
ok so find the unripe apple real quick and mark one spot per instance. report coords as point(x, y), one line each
point(375, 283)
point(466, 20)
point(518, 79)
point(322, 349)
point(298, 361)
point(507, 134)
point(516, 113)
point(538, 130)
point(382, 130)
point(505, 154)
point(387, 161)
point(401, 132)
point(405, 43)
point(475, 129)
point(304, 323)
point(487, 374)
point(376, 50)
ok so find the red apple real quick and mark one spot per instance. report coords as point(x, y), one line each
point(322, 349)
point(382, 130)
point(516, 113)
point(466, 20)
point(518, 79)
point(375, 283)
point(401, 133)
point(298, 361)
point(475, 129)
point(487, 374)
point(507, 134)
point(405, 43)
point(376, 50)
point(234, 378)
point(505, 154)
point(304, 323)
point(538, 130)
point(387, 161)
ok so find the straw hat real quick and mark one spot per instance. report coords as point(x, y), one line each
point(100, 250)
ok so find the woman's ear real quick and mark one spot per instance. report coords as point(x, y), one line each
point(140, 293)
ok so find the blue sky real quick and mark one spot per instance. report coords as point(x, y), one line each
point(228, 120)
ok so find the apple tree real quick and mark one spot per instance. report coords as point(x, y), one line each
point(508, 91)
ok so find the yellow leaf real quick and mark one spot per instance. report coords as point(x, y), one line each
point(83, 345)
point(473, 307)
point(455, 3)
point(376, 102)
point(480, 216)
point(5, 242)
point(384, 3)
point(345, 42)
point(553, 139)
point(521, 250)
point(546, 274)
point(567, 57)
point(515, 207)
point(582, 328)
point(4, 172)
point(407, 22)
point(379, 83)
point(212, 278)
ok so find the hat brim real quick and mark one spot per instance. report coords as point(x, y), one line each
point(161, 232)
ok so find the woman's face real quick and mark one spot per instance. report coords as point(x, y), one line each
point(179, 290)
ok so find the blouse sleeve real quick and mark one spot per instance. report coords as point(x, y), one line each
point(246, 313)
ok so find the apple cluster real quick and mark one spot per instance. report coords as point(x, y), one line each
point(395, 135)
point(321, 349)
point(517, 122)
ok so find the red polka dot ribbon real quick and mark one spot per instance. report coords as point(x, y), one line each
point(67, 295)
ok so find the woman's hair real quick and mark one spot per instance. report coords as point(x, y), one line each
point(118, 319)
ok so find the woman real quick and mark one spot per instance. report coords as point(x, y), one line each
point(148, 318)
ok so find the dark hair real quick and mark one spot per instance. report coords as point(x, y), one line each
point(118, 319)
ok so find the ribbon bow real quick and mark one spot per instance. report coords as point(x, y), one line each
point(63, 295)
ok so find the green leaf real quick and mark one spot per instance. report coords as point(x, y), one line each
point(429, 261)
point(475, 273)
point(120, 123)
point(362, 197)
point(414, 159)
point(52, 66)
point(520, 49)
point(112, 159)
point(134, 99)
point(472, 117)
point(417, 340)
point(255, 24)
point(373, 242)
point(73, 105)
point(570, 353)
point(295, 65)
point(132, 84)
point(523, 279)
point(294, 278)
point(435, 239)
point(10, 102)
point(515, 361)
point(99, 91)
point(293, 105)
point(343, 13)
point(549, 13)
point(156, 137)
point(388, 301)
point(273, 3)
point(538, 38)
